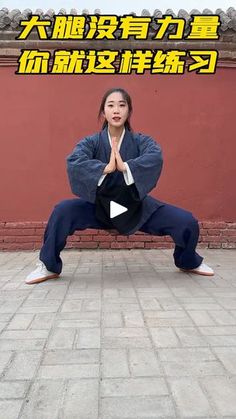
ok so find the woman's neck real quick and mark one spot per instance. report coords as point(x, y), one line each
point(115, 132)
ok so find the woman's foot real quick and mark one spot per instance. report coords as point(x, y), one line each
point(202, 269)
point(40, 274)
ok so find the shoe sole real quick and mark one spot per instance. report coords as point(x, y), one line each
point(38, 280)
point(193, 271)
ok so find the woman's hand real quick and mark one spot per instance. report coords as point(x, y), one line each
point(111, 166)
point(119, 162)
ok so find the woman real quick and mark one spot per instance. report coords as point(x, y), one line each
point(117, 167)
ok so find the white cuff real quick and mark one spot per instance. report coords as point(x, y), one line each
point(128, 175)
point(101, 179)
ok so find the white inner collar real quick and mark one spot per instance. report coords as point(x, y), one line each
point(120, 140)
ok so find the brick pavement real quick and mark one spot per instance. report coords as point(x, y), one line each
point(122, 334)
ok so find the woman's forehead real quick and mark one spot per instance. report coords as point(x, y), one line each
point(115, 97)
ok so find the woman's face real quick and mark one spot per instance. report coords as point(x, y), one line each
point(116, 110)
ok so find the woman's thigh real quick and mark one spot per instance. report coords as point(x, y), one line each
point(167, 219)
point(78, 212)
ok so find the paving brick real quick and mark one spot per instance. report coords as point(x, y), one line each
point(160, 292)
point(133, 319)
point(222, 391)
point(61, 338)
point(68, 371)
point(88, 338)
point(167, 318)
point(38, 294)
point(20, 322)
point(58, 293)
point(137, 407)
point(120, 307)
point(183, 362)
point(218, 330)
point(143, 362)
point(2, 326)
point(21, 345)
point(126, 292)
point(23, 366)
point(47, 307)
point(186, 292)
point(224, 340)
point(24, 334)
point(13, 389)
point(122, 387)
point(82, 294)
point(42, 321)
point(190, 399)
point(228, 303)
point(71, 305)
point(10, 409)
point(6, 317)
point(164, 337)
point(78, 323)
point(10, 306)
point(189, 336)
point(112, 320)
point(81, 400)
point(201, 318)
point(120, 300)
point(80, 356)
point(228, 358)
point(114, 363)
point(222, 317)
point(134, 342)
point(125, 332)
point(14, 295)
point(150, 304)
point(202, 306)
point(110, 293)
point(91, 304)
point(79, 315)
point(5, 358)
point(44, 400)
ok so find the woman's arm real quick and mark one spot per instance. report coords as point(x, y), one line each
point(146, 168)
point(84, 171)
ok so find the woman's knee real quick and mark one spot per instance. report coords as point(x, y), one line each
point(188, 221)
point(67, 208)
point(192, 220)
point(63, 206)
point(74, 210)
point(185, 226)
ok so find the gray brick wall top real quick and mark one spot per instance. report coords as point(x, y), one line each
point(10, 27)
point(10, 19)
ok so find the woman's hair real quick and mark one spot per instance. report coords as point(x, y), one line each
point(125, 96)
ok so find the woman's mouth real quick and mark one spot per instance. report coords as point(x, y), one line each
point(116, 118)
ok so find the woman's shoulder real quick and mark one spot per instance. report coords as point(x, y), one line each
point(88, 139)
point(143, 137)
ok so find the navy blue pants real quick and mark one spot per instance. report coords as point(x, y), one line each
point(76, 214)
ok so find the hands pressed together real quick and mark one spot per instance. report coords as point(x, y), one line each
point(116, 161)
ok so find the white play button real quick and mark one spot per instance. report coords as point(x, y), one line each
point(116, 209)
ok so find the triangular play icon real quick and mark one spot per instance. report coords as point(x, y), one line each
point(116, 209)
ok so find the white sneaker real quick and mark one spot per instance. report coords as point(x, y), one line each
point(202, 269)
point(40, 274)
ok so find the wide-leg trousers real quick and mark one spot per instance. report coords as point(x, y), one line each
point(76, 214)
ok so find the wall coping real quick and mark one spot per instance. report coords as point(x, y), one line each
point(10, 48)
point(11, 18)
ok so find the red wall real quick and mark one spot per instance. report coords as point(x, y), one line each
point(191, 116)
